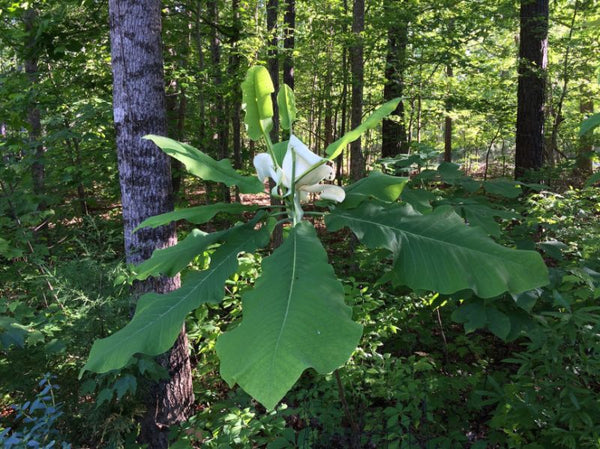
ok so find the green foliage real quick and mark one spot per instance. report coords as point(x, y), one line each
point(287, 107)
point(158, 318)
point(256, 90)
point(336, 148)
point(438, 252)
point(375, 186)
point(589, 124)
point(205, 167)
point(295, 318)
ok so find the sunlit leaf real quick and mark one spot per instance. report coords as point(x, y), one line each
point(196, 215)
point(256, 97)
point(335, 149)
point(589, 124)
point(287, 106)
point(294, 318)
point(439, 252)
point(158, 318)
point(377, 185)
point(205, 167)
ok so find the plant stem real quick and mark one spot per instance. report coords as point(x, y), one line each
point(355, 437)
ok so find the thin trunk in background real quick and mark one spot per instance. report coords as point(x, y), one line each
point(273, 61)
point(219, 122)
point(585, 151)
point(531, 93)
point(233, 71)
point(289, 19)
point(393, 134)
point(146, 189)
point(448, 121)
point(33, 113)
point(357, 160)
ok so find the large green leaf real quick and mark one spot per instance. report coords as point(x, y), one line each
point(170, 261)
point(196, 215)
point(589, 124)
point(334, 149)
point(294, 318)
point(377, 185)
point(439, 252)
point(205, 167)
point(287, 106)
point(158, 318)
point(256, 97)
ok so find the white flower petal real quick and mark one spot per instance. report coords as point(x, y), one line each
point(316, 176)
point(264, 166)
point(331, 192)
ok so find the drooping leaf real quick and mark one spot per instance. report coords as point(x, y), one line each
point(439, 252)
point(205, 167)
point(256, 101)
point(502, 187)
point(11, 333)
point(294, 318)
point(334, 149)
point(477, 212)
point(377, 185)
point(287, 106)
point(592, 179)
point(158, 318)
point(419, 199)
point(196, 215)
point(170, 261)
point(477, 314)
point(589, 124)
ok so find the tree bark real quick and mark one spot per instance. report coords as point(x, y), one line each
point(289, 19)
point(357, 160)
point(448, 122)
point(393, 133)
point(33, 113)
point(273, 61)
point(583, 164)
point(146, 190)
point(233, 69)
point(533, 60)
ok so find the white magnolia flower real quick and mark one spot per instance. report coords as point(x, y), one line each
point(304, 160)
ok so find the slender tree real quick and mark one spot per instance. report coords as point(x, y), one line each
point(357, 160)
point(448, 121)
point(289, 19)
point(531, 95)
point(393, 135)
point(33, 113)
point(146, 190)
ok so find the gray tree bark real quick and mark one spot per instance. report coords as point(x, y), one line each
point(357, 160)
point(146, 190)
point(448, 122)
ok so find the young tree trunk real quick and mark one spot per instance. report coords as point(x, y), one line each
point(357, 160)
point(393, 133)
point(448, 123)
point(289, 19)
point(233, 70)
point(145, 180)
point(533, 59)
point(273, 61)
point(33, 113)
point(584, 165)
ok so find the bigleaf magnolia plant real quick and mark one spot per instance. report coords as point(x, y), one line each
point(295, 317)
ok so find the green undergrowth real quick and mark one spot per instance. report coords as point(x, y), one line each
point(431, 371)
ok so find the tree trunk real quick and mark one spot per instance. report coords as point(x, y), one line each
point(393, 133)
point(33, 113)
point(145, 180)
point(584, 163)
point(288, 43)
point(273, 62)
point(448, 122)
point(357, 160)
point(233, 69)
point(533, 52)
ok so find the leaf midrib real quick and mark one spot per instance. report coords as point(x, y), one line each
point(453, 245)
